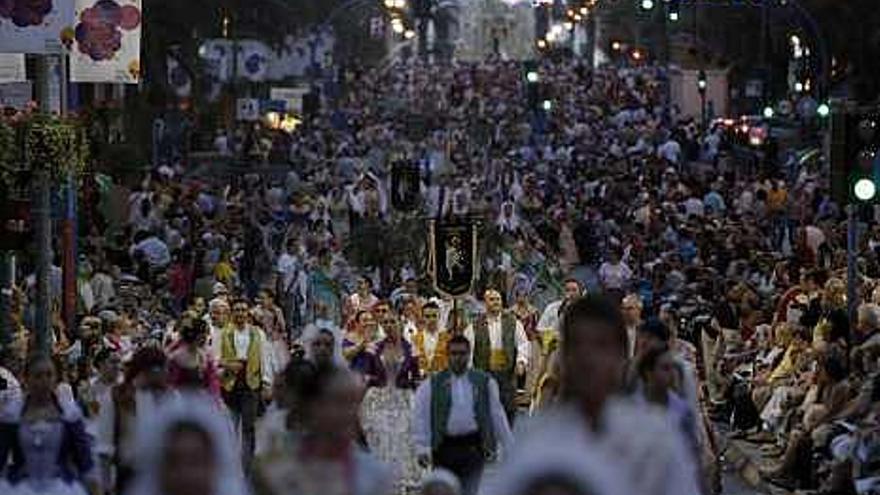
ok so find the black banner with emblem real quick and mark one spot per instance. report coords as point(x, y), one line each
point(405, 188)
point(453, 260)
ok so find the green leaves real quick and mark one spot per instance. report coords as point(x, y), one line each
point(42, 141)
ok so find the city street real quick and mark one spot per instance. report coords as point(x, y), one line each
point(439, 247)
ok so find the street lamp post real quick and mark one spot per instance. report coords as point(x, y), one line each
point(702, 86)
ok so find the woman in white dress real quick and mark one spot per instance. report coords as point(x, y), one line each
point(392, 374)
point(186, 448)
point(557, 465)
point(44, 435)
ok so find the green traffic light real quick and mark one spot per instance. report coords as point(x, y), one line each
point(864, 189)
point(823, 110)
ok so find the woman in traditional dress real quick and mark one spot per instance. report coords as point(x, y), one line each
point(392, 373)
point(190, 365)
point(45, 435)
point(322, 457)
point(186, 448)
point(323, 344)
point(362, 336)
point(528, 315)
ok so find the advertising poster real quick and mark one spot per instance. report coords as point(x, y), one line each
point(36, 26)
point(106, 42)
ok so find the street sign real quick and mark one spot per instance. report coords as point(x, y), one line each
point(754, 88)
point(293, 96)
point(247, 109)
point(279, 106)
point(12, 68)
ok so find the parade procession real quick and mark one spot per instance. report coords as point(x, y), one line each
point(439, 247)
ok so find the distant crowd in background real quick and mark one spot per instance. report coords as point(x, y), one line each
point(279, 332)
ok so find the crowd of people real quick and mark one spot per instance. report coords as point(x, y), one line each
point(280, 334)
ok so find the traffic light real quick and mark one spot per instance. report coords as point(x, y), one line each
point(702, 82)
point(533, 84)
point(855, 149)
point(646, 5)
point(673, 10)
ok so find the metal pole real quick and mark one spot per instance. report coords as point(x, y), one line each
point(68, 240)
point(591, 39)
point(42, 204)
point(456, 324)
point(68, 250)
point(703, 109)
point(852, 269)
point(43, 235)
point(6, 295)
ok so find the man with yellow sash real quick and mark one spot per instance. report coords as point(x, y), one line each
point(501, 347)
point(245, 373)
point(429, 341)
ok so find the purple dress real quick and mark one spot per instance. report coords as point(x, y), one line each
point(49, 457)
point(379, 368)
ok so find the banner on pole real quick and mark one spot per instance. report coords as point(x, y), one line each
point(107, 42)
point(253, 60)
point(12, 68)
point(39, 27)
point(405, 185)
point(452, 254)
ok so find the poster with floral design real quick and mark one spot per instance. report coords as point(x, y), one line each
point(35, 26)
point(107, 41)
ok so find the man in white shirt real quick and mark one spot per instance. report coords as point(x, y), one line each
point(549, 321)
point(694, 207)
point(615, 275)
point(154, 250)
point(217, 318)
point(631, 308)
point(548, 330)
point(103, 289)
point(459, 421)
point(501, 347)
point(670, 151)
point(246, 372)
